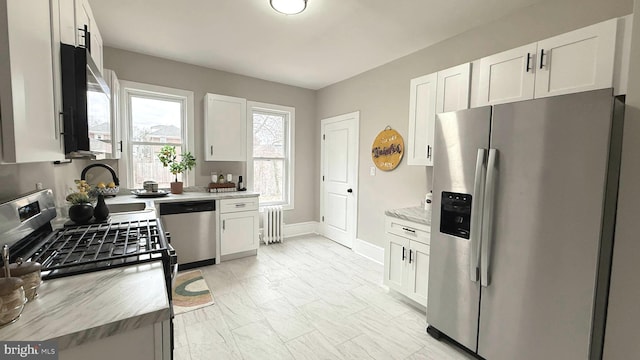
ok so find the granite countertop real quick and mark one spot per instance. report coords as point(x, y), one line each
point(416, 214)
point(83, 308)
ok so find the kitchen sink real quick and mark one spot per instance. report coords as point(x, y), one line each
point(128, 207)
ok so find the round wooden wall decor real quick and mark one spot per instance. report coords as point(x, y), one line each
point(387, 149)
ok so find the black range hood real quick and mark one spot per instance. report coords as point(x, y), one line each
point(81, 82)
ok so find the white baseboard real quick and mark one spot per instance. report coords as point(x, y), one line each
point(297, 229)
point(304, 228)
point(369, 250)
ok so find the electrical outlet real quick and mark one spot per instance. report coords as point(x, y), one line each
point(372, 171)
point(39, 186)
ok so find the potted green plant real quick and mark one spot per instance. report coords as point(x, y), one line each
point(169, 158)
point(81, 210)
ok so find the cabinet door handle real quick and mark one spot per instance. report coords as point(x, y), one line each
point(223, 224)
point(87, 37)
point(428, 151)
point(403, 253)
point(60, 125)
point(241, 205)
point(120, 142)
point(541, 57)
point(528, 62)
point(409, 230)
point(410, 253)
point(211, 149)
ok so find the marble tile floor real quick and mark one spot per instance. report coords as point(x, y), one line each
point(308, 298)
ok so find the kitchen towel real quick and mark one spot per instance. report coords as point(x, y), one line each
point(190, 292)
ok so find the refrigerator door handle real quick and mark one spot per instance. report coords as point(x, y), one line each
point(487, 220)
point(476, 214)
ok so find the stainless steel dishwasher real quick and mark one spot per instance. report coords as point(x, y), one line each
point(192, 226)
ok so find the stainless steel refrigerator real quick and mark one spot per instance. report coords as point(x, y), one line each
point(524, 198)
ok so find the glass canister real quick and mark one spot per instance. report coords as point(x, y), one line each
point(29, 272)
point(12, 299)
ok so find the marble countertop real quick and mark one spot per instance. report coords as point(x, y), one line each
point(79, 309)
point(149, 212)
point(416, 214)
point(127, 197)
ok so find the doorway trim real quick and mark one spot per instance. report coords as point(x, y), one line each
point(355, 118)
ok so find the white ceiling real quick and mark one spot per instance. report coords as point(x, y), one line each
point(330, 41)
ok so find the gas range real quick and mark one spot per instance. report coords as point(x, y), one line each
point(26, 228)
point(77, 250)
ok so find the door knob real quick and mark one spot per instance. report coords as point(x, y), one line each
point(349, 191)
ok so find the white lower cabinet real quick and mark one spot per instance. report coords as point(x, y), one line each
point(406, 258)
point(395, 267)
point(239, 222)
point(418, 272)
point(152, 342)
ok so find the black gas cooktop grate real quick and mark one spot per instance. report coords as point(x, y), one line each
point(95, 247)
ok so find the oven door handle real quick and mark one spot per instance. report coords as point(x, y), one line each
point(173, 264)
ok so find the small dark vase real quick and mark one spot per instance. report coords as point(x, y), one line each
point(81, 213)
point(101, 211)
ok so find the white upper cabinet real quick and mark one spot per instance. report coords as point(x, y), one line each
point(30, 130)
point(446, 90)
point(66, 13)
point(74, 16)
point(623, 55)
point(96, 48)
point(579, 60)
point(116, 129)
point(225, 128)
point(506, 77)
point(422, 112)
point(84, 17)
point(453, 88)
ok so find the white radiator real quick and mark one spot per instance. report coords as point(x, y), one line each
point(272, 225)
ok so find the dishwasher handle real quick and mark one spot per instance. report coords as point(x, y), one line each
point(184, 207)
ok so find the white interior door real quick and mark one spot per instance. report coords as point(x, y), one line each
point(339, 189)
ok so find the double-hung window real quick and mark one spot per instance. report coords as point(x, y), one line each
point(155, 116)
point(270, 170)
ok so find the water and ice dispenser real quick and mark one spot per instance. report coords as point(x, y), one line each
point(455, 214)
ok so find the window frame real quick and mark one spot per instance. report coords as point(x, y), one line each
point(289, 159)
point(185, 97)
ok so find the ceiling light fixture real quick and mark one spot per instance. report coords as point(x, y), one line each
point(288, 7)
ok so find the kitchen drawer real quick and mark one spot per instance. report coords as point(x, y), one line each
point(235, 205)
point(407, 229)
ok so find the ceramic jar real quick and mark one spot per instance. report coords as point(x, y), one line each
point(81, 213)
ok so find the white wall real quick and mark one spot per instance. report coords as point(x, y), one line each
point(382, 95)
point(153, 70)
point(18, 179)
